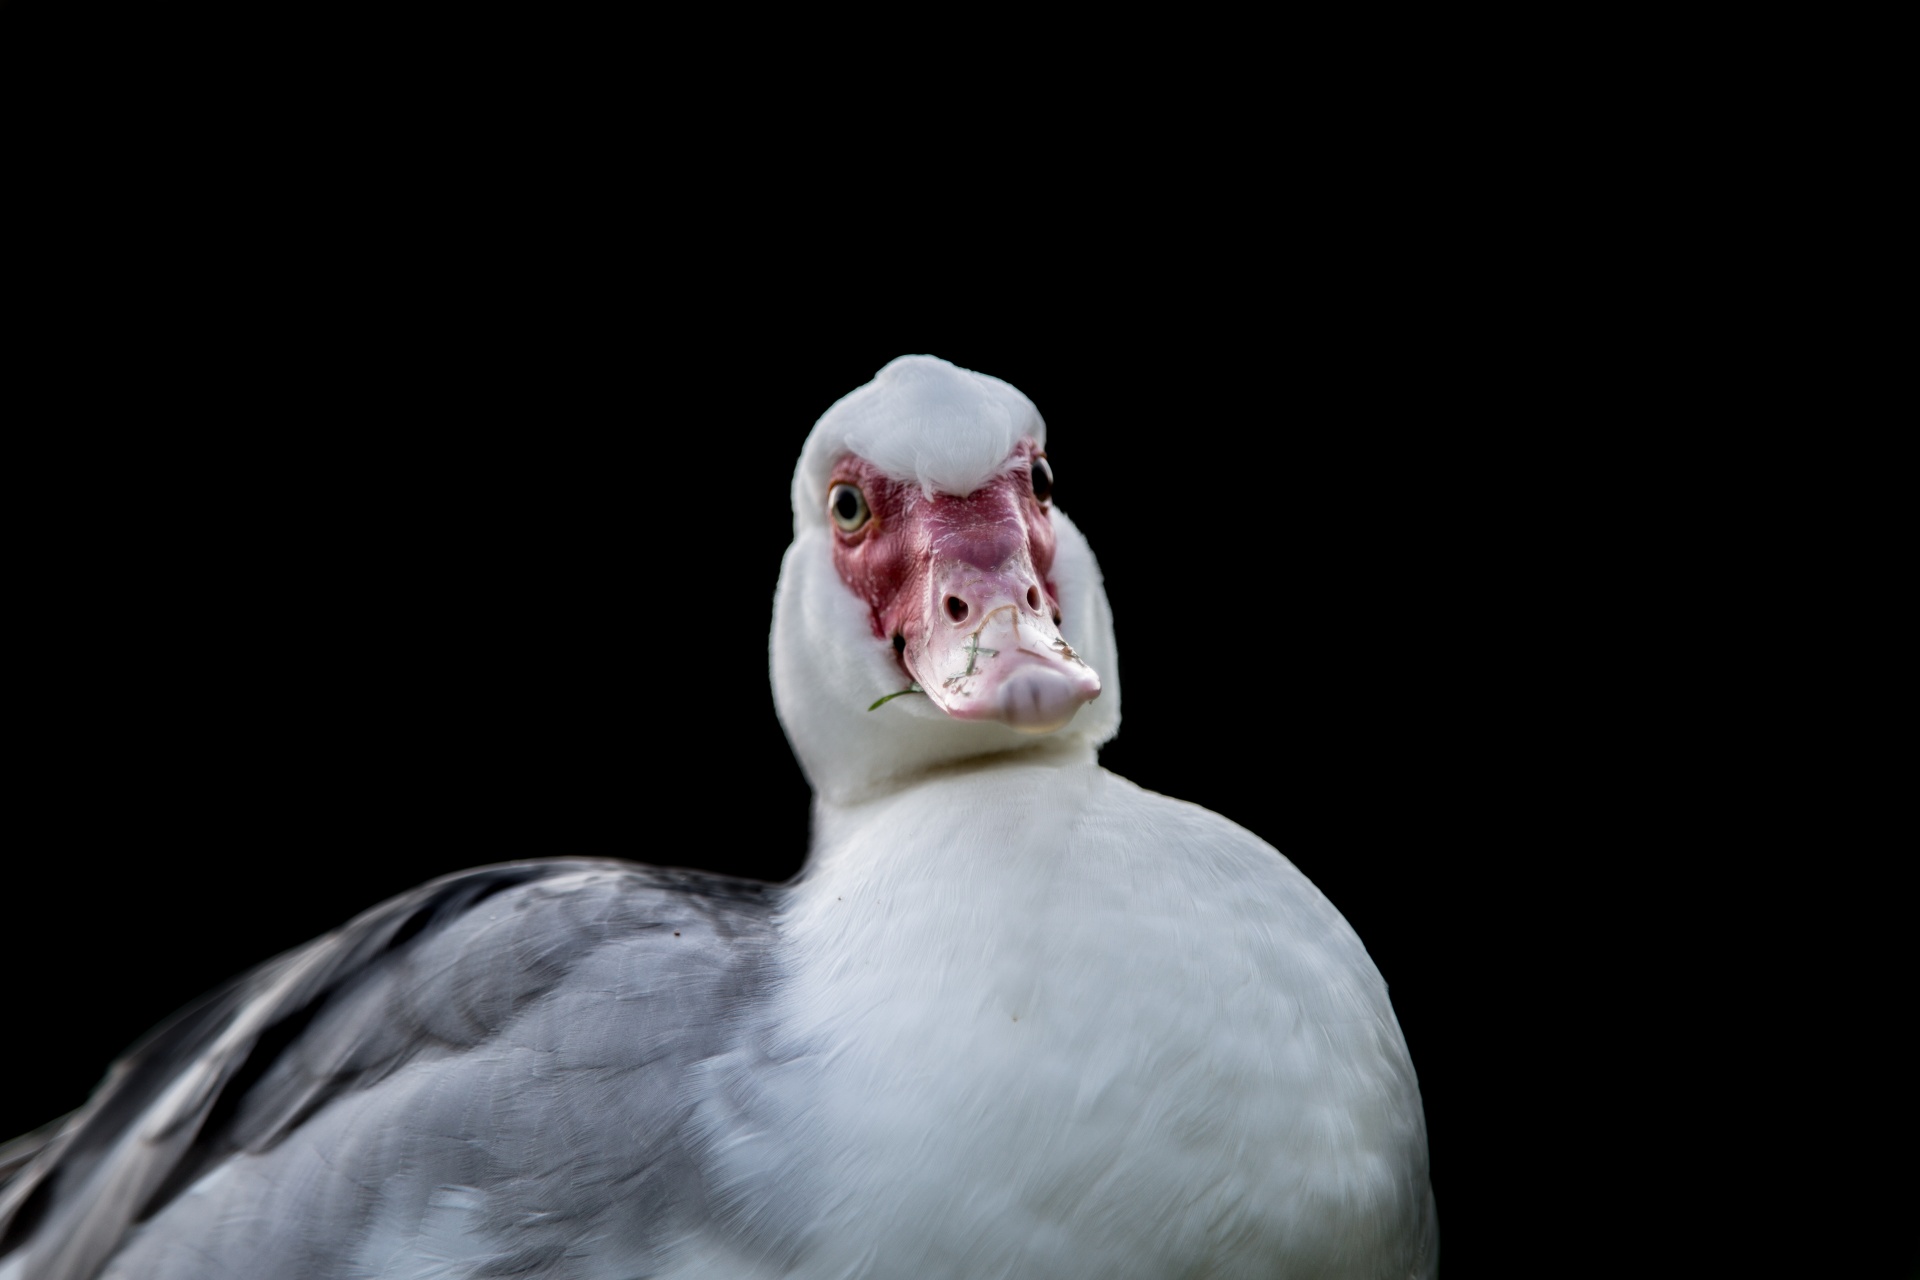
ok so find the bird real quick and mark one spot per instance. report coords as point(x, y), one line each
point(1016, 1016)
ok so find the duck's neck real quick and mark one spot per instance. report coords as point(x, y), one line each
point(1060, 751)
point(838, 812)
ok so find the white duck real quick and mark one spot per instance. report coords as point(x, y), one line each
point(1018, 1017)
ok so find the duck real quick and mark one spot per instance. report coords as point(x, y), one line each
point(1016, 1016)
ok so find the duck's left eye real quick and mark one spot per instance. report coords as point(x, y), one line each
point(848, 507)
point(1042, 478)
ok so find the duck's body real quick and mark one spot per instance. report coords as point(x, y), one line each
point(1097, 1033)
point(1018, 1017)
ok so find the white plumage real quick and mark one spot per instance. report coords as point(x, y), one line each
point(1018, 1017)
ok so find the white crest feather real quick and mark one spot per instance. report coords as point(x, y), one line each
point(923, 421)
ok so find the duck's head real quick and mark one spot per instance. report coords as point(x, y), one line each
point(929, 562)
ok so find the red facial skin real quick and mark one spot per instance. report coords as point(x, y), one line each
point(887, 561)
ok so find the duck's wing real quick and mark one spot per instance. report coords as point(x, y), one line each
point(475, 1071)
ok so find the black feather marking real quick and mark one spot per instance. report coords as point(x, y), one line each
point(28, 1215)
point(457, 899)
point(416, 923)
point(210, 1146)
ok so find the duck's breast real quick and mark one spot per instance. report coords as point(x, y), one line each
point(1041, 1021)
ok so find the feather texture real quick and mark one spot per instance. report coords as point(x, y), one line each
point(538, 1007)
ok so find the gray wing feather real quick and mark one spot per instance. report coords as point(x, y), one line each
point(491, 1070)
point(17, 1154)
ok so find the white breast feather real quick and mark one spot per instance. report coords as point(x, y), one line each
point(1084, 1030)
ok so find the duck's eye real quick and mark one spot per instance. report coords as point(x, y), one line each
point(1042, 478)
point(848, 507)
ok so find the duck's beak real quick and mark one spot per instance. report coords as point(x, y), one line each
point(988, 648)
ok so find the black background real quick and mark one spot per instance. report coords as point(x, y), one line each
point(408, 481)
point(435, 605)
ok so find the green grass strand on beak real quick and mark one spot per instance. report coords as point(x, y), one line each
point(912, 688)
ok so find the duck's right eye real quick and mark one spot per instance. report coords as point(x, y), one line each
point(848, 507)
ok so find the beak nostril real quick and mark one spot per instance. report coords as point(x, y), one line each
point(956, 608)
point(1033, 599)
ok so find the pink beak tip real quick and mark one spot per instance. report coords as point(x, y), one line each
point(1037, 699)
